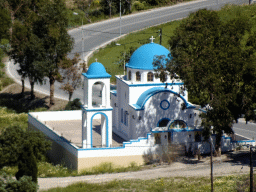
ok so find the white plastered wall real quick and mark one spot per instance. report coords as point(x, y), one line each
point(153, 113)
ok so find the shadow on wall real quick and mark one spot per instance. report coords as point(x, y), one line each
point(153, 112)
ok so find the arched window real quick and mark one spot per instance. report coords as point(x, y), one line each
point(137, 76)
point(178, 124)
point(150, 76)
point(129, 75)
point(163, 122)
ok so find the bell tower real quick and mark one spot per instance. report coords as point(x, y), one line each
point(98, 105)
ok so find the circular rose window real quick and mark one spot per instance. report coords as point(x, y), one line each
point(165, 104)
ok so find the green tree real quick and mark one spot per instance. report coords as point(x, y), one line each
point(51, 29)
point(27, 51)
point(109, 7)
point(209, 57)
point(5, 23)
point(24, 184)
point(71, 75)
point(22, 148)
point(74, 105)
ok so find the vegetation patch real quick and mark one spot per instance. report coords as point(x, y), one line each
point(191, 184)
point(110, 168)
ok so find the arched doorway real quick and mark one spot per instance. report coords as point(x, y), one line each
point(99, 127)
point(164, 123)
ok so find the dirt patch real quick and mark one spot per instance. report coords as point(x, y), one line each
point(11, 98)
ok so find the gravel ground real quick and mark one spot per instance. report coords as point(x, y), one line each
point(235, 163)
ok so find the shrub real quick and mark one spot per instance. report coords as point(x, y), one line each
point(25, 184)
point(73, 105)
point(138, 6)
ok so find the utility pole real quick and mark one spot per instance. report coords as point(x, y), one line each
point(124, 58)
point(85, 67)
point(211, 165)
point(251, 169)
point(120, 19)
point(161, 36)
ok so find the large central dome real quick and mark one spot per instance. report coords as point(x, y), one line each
point(143, 57)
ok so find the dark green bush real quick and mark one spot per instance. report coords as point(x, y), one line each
point(73, 105)
point(138, 6)
point(25, 184)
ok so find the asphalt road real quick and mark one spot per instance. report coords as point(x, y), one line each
point(103, 32)
point(247, 130)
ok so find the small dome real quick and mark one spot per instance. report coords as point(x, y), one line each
point(143, 57)
point(96, 70)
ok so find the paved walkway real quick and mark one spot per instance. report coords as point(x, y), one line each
point(175, 170)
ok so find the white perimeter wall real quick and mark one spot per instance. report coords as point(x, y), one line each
point(58, 115)
point(134, 147)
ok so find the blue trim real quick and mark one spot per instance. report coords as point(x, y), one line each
point(178, 130)
point(244, 141)
point(168, 103)
point(154, 84)
point(146, 84)
point(99, 109)
point(151, 92)
point(114, 92)
point(101, 127)
point(96, 76)
point(161, 120)
point(124, 144)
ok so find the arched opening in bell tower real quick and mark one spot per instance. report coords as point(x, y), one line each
point(98, 94)
point(99, 137)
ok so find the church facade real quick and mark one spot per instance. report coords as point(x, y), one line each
point(143, 113)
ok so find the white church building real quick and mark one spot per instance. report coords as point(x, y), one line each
point(140, 115)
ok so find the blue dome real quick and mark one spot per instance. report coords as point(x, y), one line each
point(143, 57)
point(96, 70)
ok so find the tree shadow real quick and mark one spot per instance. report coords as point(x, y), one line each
point(241, 158)
point(20, 104)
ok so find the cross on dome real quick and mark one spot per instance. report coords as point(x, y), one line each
point(96, 59)
point(152, 39)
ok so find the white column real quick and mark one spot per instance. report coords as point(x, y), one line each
point(143, 76)
point(89, 95)
point(109, 114)
point(103, 131)
point(107, 98)
point(88, 130)
point(84, 134)
point(86, 92)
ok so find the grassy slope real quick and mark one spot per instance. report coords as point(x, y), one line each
point(191, 184)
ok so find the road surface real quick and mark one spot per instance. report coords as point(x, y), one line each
point(102, 32)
